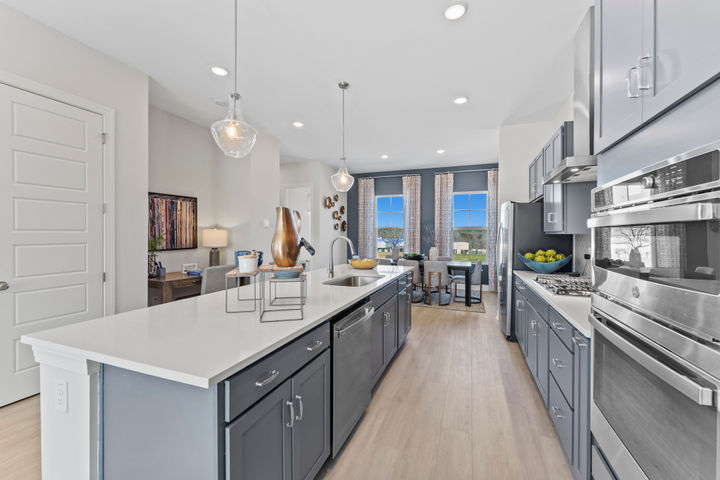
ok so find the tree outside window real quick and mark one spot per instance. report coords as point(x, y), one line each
point(470, 228)
point(390, 224)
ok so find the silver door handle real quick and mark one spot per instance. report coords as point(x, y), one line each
point(300, 404)
point(291, 423)
point(314, 346)
point(4, 286)
point(680, 382)
point(640, 65)
point(578, 343)
point(557, 411)
point(628, 83)
point(558, 326)
point(558, 363)
point(273, 375)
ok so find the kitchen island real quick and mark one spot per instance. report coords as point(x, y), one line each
point(151, 393)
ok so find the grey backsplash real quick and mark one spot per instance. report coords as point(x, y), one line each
point(581, 246)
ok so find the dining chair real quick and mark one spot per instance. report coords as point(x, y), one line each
point(444, 259)
point(213, 278)
point(417, 296)
point(436, 277)
point(384, 261)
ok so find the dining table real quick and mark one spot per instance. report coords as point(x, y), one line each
point(467, 268)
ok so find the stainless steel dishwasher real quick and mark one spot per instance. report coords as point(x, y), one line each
point(352, 372)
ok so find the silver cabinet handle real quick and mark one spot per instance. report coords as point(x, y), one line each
point(518, 305)
point(558, 326)
point(533, 327)
point(386, 319)
point(557, 411)
point(4, 286)
point(273, 375)
point(300, 404)
point(628, 83)
point(578, 343)
point(640, 67)
point(551, 217)
point(314, 346)
point(558, 363)
point(291, 423)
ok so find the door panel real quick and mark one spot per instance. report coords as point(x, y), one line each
point(683, 50)
point(311, 433)
point(51, 226)
point(258, 443)
point(618, 43)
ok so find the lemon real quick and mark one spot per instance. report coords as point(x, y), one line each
point(560, 256)
point(550, 259)
point(540, 252)
point(550, 253)
point(529, 256)
point(540, 258)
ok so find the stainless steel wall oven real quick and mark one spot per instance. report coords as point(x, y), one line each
point(656, 319)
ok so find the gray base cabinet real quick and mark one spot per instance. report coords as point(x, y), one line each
point(391, 324)
point(404, 308)
point(286, 435)
point(390, 330)
point(558, 357)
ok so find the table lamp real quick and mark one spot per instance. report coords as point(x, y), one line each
point(214, 238)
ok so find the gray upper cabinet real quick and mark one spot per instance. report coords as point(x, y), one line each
point(681, 51)
point(649, 55)
point(311, 427)
point(547, 159)
point(536, 171)
point(566, 208)
point(258, 443)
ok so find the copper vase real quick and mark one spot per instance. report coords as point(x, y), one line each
point(286, 240)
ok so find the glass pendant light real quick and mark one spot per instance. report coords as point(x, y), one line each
point(234, 137)
point(342, 180)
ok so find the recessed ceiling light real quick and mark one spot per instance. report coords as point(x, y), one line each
point(455, 11)
point(440, 152)
point(384, 156)
point(556, 181)
point(219, 71)
point(460, 100)
point(298, 124)
point(574, 169)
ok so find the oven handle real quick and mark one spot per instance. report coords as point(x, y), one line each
point(694, 391)
point(693, 212)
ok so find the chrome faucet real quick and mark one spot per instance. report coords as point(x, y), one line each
point(331, 268)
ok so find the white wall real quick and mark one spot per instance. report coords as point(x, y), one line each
point(317, 174)
point(183, 160)
point(41, 54)
point(247, 192)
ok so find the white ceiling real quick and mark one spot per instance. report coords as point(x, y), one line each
point(404, 61)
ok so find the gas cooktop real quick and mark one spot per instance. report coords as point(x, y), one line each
point(560, 284)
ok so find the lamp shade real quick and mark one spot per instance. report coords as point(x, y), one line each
point(214, 238)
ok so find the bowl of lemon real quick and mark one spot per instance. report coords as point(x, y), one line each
point(363, 264)
point(545, 261)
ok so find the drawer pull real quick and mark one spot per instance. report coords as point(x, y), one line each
point(558, 363)
point(314, 346)
point(300, 404)
point(557, 411)
point(386, 319)
point(273, 375)
point(291, 423)
point(579, 343)
point(558, 326)
point(533, 327)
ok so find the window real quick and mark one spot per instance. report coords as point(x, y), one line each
point(470, 226)
point(390, 224)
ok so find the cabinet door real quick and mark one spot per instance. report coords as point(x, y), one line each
point(519, 323)
point(390, 330)
point(557, 147)
point(618, 44)
point(402, 307)
point(581, 394)
point(532, 334)
point(258, 442)
point(553, 208)
point(547, 159)
point(311, 428)
point(542, 358)
point(539, 171)
point(531, 181)
point(408, 312)
point(681, 51)
point(377, 341)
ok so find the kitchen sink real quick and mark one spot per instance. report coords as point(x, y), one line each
point(353, 280)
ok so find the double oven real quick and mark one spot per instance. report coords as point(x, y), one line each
point(656, 321)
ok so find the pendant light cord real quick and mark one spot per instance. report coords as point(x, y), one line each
point(236, 45)
point(343, 124)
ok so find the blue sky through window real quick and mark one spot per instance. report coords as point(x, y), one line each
point(470, 210)
point(390, 211)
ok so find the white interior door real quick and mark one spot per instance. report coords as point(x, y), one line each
point(51, 226)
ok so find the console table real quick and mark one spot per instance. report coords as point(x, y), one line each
point(171, 287)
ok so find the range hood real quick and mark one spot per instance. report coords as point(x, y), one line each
point(580, 165)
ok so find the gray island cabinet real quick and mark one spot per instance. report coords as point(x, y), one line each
point(558, 356)
point(269, 421)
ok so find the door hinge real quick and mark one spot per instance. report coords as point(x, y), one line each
point(104, 138)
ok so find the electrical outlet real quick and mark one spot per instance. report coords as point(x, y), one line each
point(61, 396)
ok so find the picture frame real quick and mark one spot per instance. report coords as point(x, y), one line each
point(172, 222)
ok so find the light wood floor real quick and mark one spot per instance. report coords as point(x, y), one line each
point(458, 402)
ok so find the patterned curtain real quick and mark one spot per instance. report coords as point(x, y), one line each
point(492, 229)
point(444, 183)
point(411, 213)
point(367, 220)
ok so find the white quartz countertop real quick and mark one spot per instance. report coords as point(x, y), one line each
point(193, 341)
point(575, 310)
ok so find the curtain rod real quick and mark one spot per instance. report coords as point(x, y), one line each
point(417, 174)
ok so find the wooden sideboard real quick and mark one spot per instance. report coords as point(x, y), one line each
point(174, 286)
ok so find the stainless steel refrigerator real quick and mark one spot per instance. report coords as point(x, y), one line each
point(520, 230)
